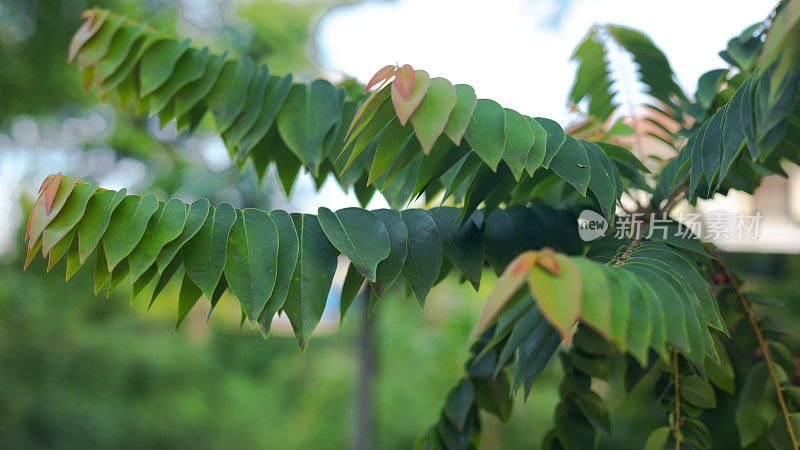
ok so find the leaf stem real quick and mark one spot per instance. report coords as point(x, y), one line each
point(762, 343)
point(677, 380)
point(627, 252)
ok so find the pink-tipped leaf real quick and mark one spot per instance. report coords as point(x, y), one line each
point(50, 192)
point(404, 81)
point(380, 76)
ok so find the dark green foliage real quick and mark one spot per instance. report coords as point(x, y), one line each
point(657, 303)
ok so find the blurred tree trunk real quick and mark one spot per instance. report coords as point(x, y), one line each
point(364, 426)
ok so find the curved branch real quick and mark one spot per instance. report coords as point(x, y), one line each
point(762, 343)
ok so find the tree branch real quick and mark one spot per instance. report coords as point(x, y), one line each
point(762, 343)
point(677, 380)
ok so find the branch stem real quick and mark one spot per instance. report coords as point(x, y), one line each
point(762, 343)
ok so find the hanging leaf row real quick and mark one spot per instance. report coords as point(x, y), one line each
point(414, 135)
point(274, 260)
point(659, 282)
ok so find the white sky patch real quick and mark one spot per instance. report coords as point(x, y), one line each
point(501, 48)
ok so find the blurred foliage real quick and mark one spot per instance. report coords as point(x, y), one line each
point(94, 374)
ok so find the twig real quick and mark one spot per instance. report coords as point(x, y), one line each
point(672, 201)
point(677, 378)
point(627, 252)
point(762, 343)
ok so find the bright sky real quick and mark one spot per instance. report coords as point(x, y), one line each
point(505, 49)
point(508, 52)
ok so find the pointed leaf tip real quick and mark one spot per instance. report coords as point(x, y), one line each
point(404, 81)
point(547, 260)
point(380, 76)
point(50, 191)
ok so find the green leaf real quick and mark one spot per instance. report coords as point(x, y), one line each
point(504, 291)
point(69, 215)
point(658, 439)
point(158, 63)
point(732, 134)
point(287, 259)
point(405, 106)
point(394, 140)
point(621, 309)
point(57, 251)
point(164, 277)
point(555, 139)
point(757, 407)
point(389, 269)
point(191, 94)
point(433, 113)
point(596, 297)
point(309, 112)
point(424, 258)
point(229, 93)
point(486, 132)
point(40, 217)
point(350, 289)
point(190, 67)
point(698, 392)
point(275, 94)
point(721, 373)
point(127, 226)
point(499, 240)
point(707, 86)
point(121, 46)
point(195, 218)
point(164, 226)
point(359, 235)
point(251, 260)
point(519, 141)
point(124, 71)
point(188, 297)
point(462, 243)
point(94, 21)
point(366, 112)
point(538, 152)
point(640, 326)
point(457, 124)
point(572, 164)
point(250, 111)
point(711, 147)
point(97, 46)
point(558, 295)
point(101, 272)
point(204, 254)
point(95, 220)
point(601, 181)
point(459, 403)
point(312, 278)
point(622, 154)
point(494, 395)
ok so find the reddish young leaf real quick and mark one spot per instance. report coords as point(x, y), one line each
point(44, 183)
point(50, 192)
point(509, 282)
point(30, 218)
point(403, 107)
point(404, 81)
point(547, 260)
point(366, 110)
point(94, 20)
point(380, 76)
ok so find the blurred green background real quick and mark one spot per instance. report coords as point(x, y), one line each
point(80, 371)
